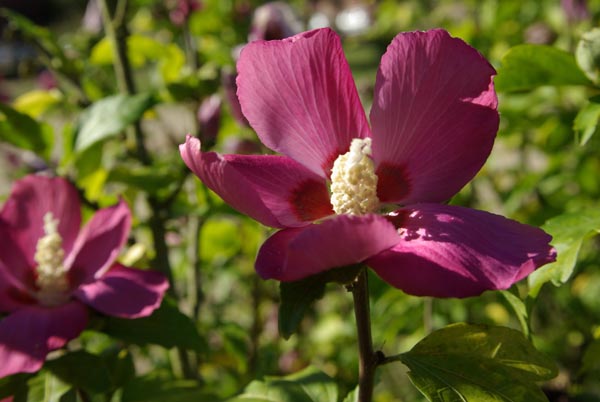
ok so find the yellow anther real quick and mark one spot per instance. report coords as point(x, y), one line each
point(51, 275)
point(353, 180)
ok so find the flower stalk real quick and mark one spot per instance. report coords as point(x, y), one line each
point(367, 359)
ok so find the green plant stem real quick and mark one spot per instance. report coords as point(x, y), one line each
point(116, 32)
point(367, 359)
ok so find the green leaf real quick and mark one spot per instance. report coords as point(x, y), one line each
point(45, 387)
point(586, 121)
point(478, 363)
point(308, 385)
point(36, 102)
point(110, 116)
point(82, 370)
point(298, 296)
point(519, 308)
point(591, 358)
point(352, 396)
point(14, 385)
point(167, 327)
point(69, 396)
point(120, 365)
point(525, 67)
point(151, 179)
point(588, 54)
point(568, 233)
point(24, 132)
point(156, 389)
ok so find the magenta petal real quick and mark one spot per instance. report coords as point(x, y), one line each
point(299, 96)
point(274, 190)
point(27, 335)
point(125, 292)
point(434, 117)
point(293, 254)
point(450, 251)
point(31, 198)
point(14, 293)
point(99, 243)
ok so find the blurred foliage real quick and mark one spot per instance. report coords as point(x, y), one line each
point(220, 337)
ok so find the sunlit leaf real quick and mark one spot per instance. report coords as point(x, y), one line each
point(588, 54)
point(167, 327)
point(478, 363)
point(110, 116)
point(37, 102)
point(142, 50)
point(568, 233)
point(525, 67)
point(308, 385)
point(586, 121)
point(352, 396)
point(519, 308)
point(46, 387)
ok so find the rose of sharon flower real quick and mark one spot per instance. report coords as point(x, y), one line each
point(51, 271)
point(433, 122)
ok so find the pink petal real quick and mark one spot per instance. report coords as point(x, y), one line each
point(125, 292)
point(31, 198)
point(450, 251)
point(299, 96)
point(293, 254)
point(274, 190)
point(434, 117)
point(14, 294)
point(27, 335)
point(99, 243)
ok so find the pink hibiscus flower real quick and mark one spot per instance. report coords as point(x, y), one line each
point(433, 122)
point(50, 271)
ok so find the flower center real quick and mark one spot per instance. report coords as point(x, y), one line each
point(353, 180)
point(51, 278)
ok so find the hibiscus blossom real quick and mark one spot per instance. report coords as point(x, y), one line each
point(433, 123)
point(50, 270)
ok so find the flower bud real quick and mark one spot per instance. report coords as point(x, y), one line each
point(209, 119)
point(575, 10)
point(182, 10)
point(274, 20)
point(228, 78)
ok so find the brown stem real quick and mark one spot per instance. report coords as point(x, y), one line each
point(367, 359)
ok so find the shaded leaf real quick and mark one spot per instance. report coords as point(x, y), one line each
point(568, 233)
point(110, 116)
point(148, 178)
point(588, 54)
point(149, 389)
point(22, 131)
point(308, 385)
point(14, 385)
point(591, 358)
point(167, 327)
point(586, 121)
point(525, 67)
point(82, 370)
point(298, 296)
point(478, 363)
